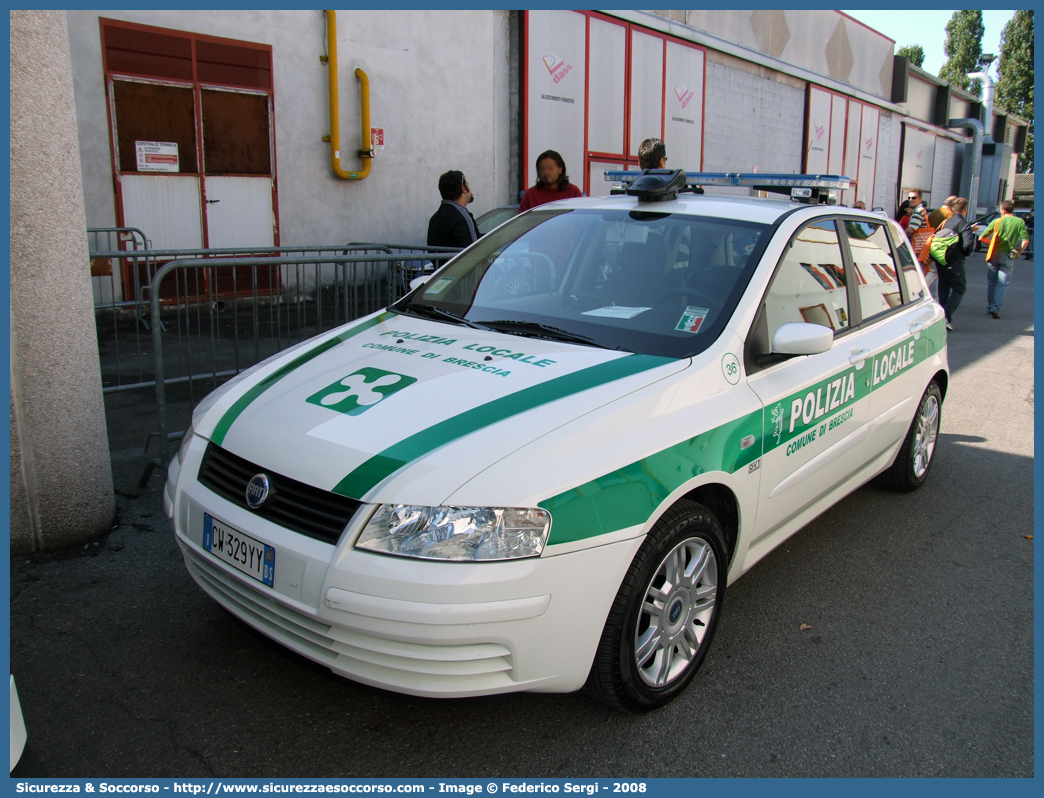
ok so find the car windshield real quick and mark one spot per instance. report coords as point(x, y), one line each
point(633, 280)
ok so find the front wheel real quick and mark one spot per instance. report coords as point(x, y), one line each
point(916, 455)
point(663, 619)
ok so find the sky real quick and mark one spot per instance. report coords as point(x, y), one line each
point(928, 29)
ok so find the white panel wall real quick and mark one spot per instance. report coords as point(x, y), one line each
point(683, 106)
point(239, 212)
point(165, 208)
point(838, 113)
point(853, 137)
point(439, 86)
point(884, 185)
point(868, 143)
point(605, 111)
point(918, 164)
point(945, 169)
point(817, 157)
point(646, 89)
point(555, 80)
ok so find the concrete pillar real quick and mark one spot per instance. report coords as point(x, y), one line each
point(61, 478)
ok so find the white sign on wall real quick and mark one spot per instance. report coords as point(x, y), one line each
point(838, 112)
point(918, 161)
point(683, 107)
point(647, 89)
point(605, 109)
point(624, 82)
point(842, 136)
point(868, 154)
point(557, 50)
point(818, 134)
point(157, 156)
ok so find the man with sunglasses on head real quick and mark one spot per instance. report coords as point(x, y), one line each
point(652, 154)
point(452, 225)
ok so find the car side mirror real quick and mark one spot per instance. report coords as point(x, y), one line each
point(418, 281)
point(802, 338)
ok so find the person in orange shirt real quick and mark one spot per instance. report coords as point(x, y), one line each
point(552, 182)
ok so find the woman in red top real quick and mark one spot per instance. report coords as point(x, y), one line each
point(552, 182)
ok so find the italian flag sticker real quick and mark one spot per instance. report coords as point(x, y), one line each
point(691, 319)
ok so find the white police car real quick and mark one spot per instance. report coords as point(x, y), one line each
point(540, 469)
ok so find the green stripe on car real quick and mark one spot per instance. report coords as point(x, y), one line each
point(381, 466)
point(247, 398)
point(628, 496)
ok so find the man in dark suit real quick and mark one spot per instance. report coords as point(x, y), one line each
point(452, 225)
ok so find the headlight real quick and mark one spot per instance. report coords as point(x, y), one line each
point(183, 449)
point(456, 533)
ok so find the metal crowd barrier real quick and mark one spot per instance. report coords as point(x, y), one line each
point(211, 318)
point(122, 313)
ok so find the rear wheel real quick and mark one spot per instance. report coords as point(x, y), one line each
point(663, 619)
point(916, 455)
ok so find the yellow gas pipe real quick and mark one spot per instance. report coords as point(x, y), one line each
point(334, 138)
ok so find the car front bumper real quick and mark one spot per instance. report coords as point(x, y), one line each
point(428, 628)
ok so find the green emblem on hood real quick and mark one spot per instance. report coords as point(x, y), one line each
point(360, 390)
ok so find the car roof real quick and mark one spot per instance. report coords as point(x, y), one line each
point(749, 209)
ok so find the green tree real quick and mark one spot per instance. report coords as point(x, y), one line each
point(963, 49)
point(912, 51)
point(1014, 90)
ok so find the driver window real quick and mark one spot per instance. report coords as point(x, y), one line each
point(810, 283)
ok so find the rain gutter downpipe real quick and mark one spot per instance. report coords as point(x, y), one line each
point(987, 98)
point(334, 138)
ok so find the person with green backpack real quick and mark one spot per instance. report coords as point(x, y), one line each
point(952, 243)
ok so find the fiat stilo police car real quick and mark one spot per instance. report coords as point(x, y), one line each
point(542, 467)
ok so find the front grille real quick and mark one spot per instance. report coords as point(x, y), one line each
point(313, 512)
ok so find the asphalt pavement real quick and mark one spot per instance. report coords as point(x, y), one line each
point(918, 660)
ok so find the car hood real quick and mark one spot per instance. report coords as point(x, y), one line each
point(398, 408)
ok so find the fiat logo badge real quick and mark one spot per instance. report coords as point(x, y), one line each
point(257, 491)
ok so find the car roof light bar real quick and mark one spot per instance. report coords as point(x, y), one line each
point(800, 187)
point(759, 179)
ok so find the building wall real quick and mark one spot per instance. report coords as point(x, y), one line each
point(61, 478)
point(754, 118)
point(885, 177)
point(440, 86)
point(920, 99)
point(823, 41)
point(889, 162)
point(946, 176)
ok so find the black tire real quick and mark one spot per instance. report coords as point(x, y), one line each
point(690, 615)
point(916, 455)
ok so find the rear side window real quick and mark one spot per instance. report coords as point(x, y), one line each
point(914, 291)
point(874, 268)
point(810, 284)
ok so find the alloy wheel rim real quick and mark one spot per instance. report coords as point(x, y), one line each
point(677, 607)
point(925, 436)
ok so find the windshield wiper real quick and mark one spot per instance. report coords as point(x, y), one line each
point(541, 331)
point(433, 312)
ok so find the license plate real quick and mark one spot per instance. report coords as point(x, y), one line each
point(250, 556)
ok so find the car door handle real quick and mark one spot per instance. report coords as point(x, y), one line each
point(915, 329)
point(858, 357)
